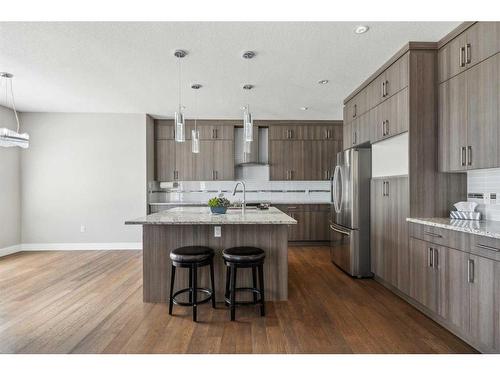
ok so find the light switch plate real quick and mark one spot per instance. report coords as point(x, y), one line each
point(217, 231)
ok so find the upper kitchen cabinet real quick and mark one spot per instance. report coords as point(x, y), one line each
point(215, 161)
point(469, 102)
point(212, 129)
point(460, 52)
point(164, 129)
point(304, 151)
point(304, 130)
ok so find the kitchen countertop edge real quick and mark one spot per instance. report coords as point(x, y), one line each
point(485, 228)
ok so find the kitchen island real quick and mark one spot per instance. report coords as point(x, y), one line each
point(185, 226)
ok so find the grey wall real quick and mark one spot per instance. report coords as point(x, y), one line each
point(10, 197)
point(83, 169)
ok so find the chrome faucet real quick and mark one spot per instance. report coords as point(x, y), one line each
point(243, 203)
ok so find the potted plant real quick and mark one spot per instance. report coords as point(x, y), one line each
point(218, 205)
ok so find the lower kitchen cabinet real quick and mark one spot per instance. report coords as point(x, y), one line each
point(484, 281)
point(389, 231)
point(460, 287)
point(312, 221)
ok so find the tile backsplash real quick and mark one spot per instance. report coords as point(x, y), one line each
point(483, 187)
point(256, 191)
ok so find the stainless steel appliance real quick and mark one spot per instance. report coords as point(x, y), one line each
point(350, 212)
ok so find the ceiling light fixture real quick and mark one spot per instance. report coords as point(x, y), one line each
point(8, 137)
point(323, 81)
point(247, 116)
point(195, 133)
point(180, 128)
point(361, 29)
point(304, 108)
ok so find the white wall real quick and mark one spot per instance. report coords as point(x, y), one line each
point(390, 157)
point(10, 197)
point(82, 169)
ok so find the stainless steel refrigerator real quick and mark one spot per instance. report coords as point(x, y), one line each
point(350, 212)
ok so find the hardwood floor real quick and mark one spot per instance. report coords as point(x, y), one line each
point(91, 302)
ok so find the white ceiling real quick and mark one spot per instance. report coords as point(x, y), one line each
point(128, 67)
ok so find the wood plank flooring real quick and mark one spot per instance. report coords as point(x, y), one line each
point(91, 302)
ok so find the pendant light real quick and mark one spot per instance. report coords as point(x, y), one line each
point(195, 133)
point(8, 137)
point(247, 115)
point(180, 126)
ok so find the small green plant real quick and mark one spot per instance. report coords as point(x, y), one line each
point(219, 202)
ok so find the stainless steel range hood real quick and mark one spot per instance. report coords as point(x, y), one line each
point(259, 153)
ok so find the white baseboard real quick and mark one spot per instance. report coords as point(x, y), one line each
point(71, 246)
point(10, 250)
point(82, 246)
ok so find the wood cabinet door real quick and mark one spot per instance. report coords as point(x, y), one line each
point(277, 160)
point(164, 129)
point(452, 112)
point(451, 58)
point(215, 131)
point(283, 132)
point(184, 162)
point(422, 276)
point(456, 291)
point(377, 227)
point(397, 230)
point(223, 152)
point(375, 91)
point(319, 226)
point(484, 302)
point(295, 159)
point(165, 160)
point(204, 162)
point(391, 117)
point(482, 41)
point(483, 117)
point(396, 76)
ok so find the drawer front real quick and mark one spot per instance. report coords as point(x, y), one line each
point(485, 246)
point(441, 236)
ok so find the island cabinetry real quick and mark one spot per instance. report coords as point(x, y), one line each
point(312, 221)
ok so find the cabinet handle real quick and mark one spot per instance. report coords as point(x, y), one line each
point(461, 57)
point(467, 53)
point(387, 187)
point(436, 258)
point(355, 110)
point(430, 256)
point(469, 155)
point(326, 175)
point(481, 246)
point(291, 175)
point(386, 92)
point(463, 156)
point(470, 271)
point(355, 137)
point(176, 175)
point(383, 89)
point(329, 133)
point(432, 234)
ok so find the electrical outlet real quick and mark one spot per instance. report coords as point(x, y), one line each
point(217, 231)
point(82, 228)
point(486, 199)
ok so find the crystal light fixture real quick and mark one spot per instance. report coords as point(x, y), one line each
point(247, 116)
point(8, 137)
point(180, 127)
point(195, 133)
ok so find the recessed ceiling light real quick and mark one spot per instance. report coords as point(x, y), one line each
point(323, 82)
point(304, 108)
point(361, 29)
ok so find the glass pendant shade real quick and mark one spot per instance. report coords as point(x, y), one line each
point(248, 126)
point(195, 141)
point(180, 134)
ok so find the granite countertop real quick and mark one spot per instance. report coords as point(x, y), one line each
point(487, 228)
point(202, 215)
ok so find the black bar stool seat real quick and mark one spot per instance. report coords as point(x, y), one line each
point(192, 257)
point(244, 257)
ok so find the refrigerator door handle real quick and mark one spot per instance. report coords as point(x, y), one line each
point(341, 189)
point(335, 193)
point(339, 230)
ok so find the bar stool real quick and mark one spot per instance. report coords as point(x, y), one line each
point(244, 257)
point(192, 257)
